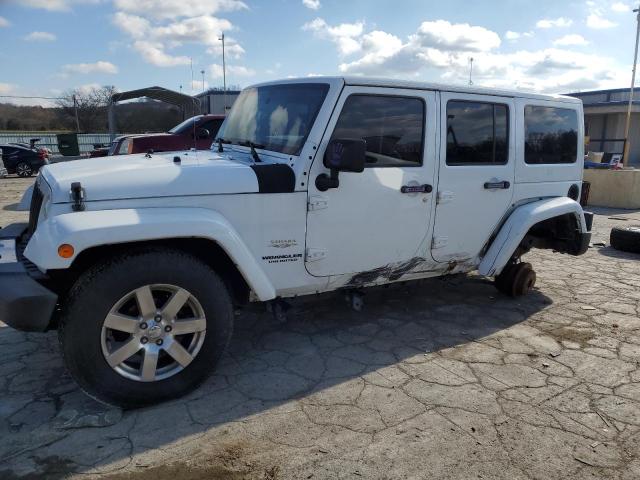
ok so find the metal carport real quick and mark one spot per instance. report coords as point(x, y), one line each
point(189, 105)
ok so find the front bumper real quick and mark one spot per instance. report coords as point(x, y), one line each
point(24, 303)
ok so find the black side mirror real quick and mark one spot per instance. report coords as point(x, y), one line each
point(341, 155)
point(202, 133)
point(345, 155)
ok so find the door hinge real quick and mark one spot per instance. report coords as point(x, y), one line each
point(439, 242)
point(314, 254)
point(317, 202)
point(444, 197)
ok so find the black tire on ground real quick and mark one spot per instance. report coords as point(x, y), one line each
point(516, 279)
point(23, 169)
point(102, 286)
point(626, 239)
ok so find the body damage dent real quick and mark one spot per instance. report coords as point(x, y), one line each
point(389, 272)
point(395, 271)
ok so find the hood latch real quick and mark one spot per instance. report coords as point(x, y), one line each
point(77, 195)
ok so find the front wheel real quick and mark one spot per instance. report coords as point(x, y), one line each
point(145, 327)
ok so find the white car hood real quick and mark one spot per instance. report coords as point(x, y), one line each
point(139, 176)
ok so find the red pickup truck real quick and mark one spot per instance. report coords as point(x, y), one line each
point(196, 132)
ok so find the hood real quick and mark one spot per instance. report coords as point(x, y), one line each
point(141, 176)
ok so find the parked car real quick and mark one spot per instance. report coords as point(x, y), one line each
point(23, 160)
point(316, 185)
point(3, 170)
point(99, 150)
point(196, 132)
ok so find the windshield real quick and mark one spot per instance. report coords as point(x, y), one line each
point(275, 117)
point(182, 127)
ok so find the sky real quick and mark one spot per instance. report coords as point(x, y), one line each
point(555, 46)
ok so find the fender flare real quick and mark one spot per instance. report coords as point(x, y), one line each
point(89, 229)
point(518, 224)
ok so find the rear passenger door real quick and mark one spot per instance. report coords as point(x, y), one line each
point(476, 176)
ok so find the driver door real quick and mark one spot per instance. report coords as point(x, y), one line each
point(370, 221)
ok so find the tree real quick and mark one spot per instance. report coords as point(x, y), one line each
point(90, 106)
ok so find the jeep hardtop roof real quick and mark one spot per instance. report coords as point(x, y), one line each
point(409, 84)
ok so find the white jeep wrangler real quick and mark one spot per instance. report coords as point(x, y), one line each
point(314, 185)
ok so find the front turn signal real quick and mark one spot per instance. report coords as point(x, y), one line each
point(65, 250)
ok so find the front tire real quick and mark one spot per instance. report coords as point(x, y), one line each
point(145, 327)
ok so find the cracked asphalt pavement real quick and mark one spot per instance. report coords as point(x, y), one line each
point(444, 378)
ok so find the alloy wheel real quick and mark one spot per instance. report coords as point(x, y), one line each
point(153, 332)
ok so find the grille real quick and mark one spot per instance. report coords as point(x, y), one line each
point(34, 209)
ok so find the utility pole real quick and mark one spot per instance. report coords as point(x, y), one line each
point(75, 110)
point(625, 155)
point(470, 70)
point(224, 77)
point(202, 72)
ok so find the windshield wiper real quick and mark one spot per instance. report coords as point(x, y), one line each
point(220, 142)
point(254, 154)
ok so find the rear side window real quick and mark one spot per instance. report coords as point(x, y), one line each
point(477, 133)
point(392, 127)
point(551, 135)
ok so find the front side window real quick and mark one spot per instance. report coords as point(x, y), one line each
point(477, 133)
point(274, 117)
point(392, 128)
point(551, 135)
point(124, 147)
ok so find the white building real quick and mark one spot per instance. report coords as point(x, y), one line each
point(213, 101)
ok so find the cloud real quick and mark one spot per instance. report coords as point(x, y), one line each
point(620, 7)
point(456, 37)
point(85, 68)
point(4, 22)
point(196, 85)
point(53, 5)
point(441, 50)
point(559, 22)
point(88, 87)
point(215, 71)
point(513, 36)
point(343, 35)
point(595, 21)
point(571, 39)
point(133, 25)
point(6, 88)
point(312, 4)
point(154, 54)
point(156, 27)
point(171, 9)
point(40, 37)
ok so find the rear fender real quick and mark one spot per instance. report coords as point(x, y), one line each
point(518, 224)
point(84, 230)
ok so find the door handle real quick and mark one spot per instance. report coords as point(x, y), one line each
point(416, 188)
point(497, 185)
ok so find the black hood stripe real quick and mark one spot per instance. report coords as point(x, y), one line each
point(274, 178)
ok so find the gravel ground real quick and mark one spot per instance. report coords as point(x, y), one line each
point(443, 378)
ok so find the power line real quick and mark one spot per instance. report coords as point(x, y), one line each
point(24, 96)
